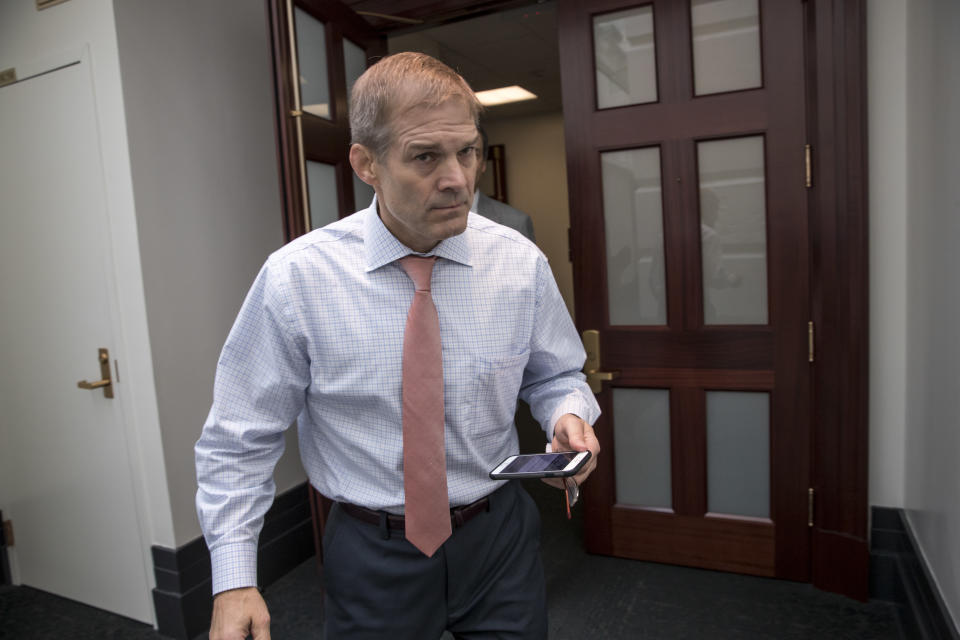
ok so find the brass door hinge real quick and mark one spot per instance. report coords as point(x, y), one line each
point(810, 344)
point(808, 163)
point(8, 533)
point(810, 507)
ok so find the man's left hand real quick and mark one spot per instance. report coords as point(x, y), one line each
point(570, 433)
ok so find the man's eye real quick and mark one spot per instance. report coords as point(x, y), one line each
point(468, 151)
point(424, 157)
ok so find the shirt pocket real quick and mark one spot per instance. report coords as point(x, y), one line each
point(495, 387)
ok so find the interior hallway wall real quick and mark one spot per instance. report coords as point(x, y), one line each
point(932, 474)
point(537, 185)
point(197, 86)
point(887, 107)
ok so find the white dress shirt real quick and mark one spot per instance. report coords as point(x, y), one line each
point(319, 340)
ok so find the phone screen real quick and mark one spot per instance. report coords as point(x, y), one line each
point(539, 462)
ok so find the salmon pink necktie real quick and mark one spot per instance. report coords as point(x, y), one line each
point(427, 506)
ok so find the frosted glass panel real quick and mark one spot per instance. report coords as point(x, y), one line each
point(633, 225)
point(733, 231)
point(625, 57)
point(355, 63)
point(322, 183)
point(738, 453)
point(312, 58)
point(362, 193)
point(726, 45)
point(641, 419)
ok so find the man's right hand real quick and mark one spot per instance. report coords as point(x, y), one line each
point(238, 613)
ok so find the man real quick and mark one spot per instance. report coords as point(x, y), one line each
point(339, 332)
point(494, 209)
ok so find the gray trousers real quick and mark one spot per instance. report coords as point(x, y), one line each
point(486, 581)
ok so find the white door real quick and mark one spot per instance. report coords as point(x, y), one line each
point(65, 475)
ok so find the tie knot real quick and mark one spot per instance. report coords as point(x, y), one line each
point(419, 270)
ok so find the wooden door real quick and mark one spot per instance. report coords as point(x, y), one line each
point(686, 164)
point(320, 48)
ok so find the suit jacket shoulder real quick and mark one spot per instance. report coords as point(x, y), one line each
point(506, 215)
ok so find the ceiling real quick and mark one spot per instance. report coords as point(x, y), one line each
point(389, 16)
point(491, 46)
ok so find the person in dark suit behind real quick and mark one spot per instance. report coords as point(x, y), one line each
point(495, 210)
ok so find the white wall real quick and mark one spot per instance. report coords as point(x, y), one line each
point(27, 37)
point(197, 86)
point(887, 105)
point(932, 472)
point(537, 185)
point(914, 99)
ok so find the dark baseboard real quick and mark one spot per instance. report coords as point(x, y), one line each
point(899, 574)
point(182, 598)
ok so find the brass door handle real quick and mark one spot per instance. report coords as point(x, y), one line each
point(83, 384)
point(106, 382)
point(591, 368)
point(596, 379)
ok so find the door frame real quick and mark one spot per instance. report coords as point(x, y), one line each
point(839, 274)
point(291, 130)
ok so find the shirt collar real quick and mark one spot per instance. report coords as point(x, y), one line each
point(382, 247)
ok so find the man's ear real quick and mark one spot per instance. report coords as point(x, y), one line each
point(364, 164)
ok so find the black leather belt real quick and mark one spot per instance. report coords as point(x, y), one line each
point(459, 516)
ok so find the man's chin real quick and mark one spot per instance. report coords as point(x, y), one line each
point(455, 225)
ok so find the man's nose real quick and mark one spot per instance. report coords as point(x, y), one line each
point(453, 175)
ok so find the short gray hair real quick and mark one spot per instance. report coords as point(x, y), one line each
point(399, 82)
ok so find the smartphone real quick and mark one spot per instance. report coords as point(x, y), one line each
point(541, 465)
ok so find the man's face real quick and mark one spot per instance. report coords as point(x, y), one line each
point(425, 180)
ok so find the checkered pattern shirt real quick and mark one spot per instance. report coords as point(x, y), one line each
point(319, 341)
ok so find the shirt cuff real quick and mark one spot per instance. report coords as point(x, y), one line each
point(233, 566)
point(586, 409)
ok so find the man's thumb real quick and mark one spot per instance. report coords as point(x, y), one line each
point(260, 626)
point(578, 441)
